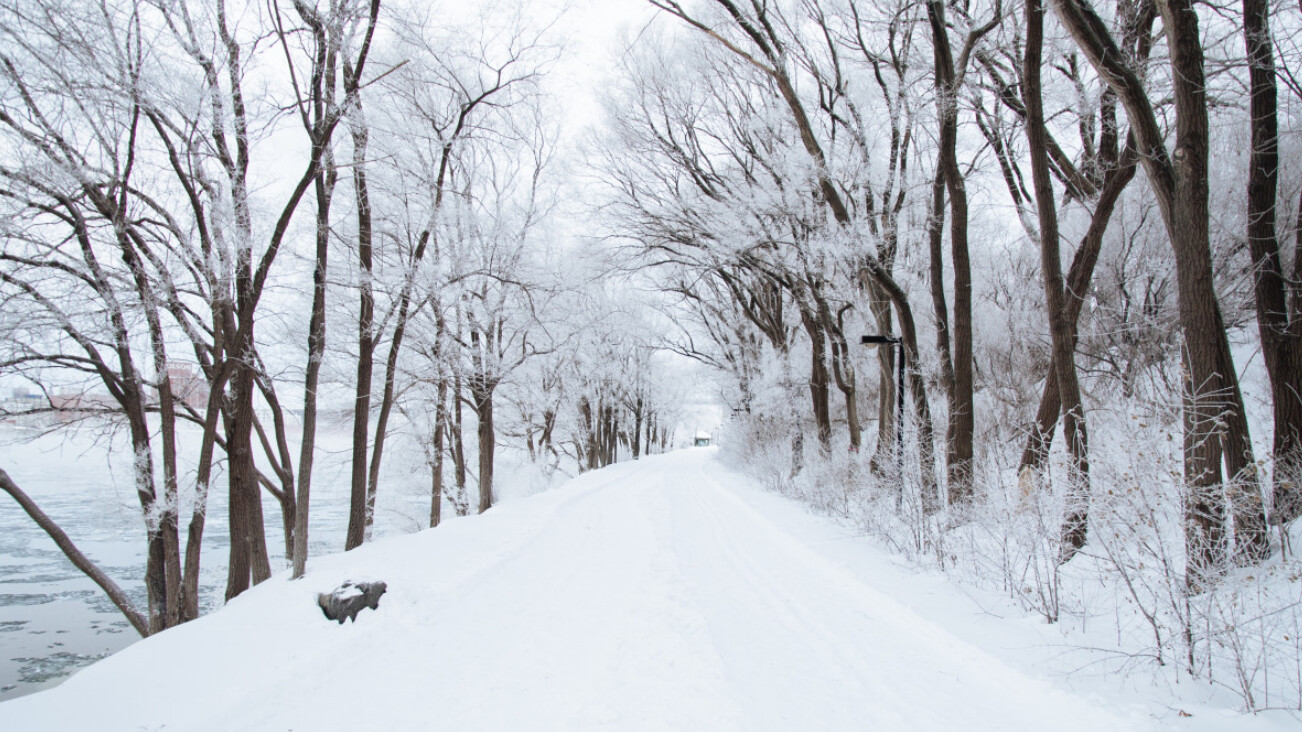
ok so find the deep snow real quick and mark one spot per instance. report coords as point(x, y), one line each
point(660, 594)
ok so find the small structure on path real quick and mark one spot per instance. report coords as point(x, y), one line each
point(702, 439)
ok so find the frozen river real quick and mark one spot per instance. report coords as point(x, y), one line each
point(54, 620)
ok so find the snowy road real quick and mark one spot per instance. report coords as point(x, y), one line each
point(648, 596)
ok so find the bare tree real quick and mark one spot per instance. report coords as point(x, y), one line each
point(761, 47)
point(1279, 326)
point(454, 94)
point(1060, 327)
point(1215, 423)
point(949, 78)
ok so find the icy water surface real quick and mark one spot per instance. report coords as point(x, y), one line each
point(54, 620)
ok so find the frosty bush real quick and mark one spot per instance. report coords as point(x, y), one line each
point(1241, 634)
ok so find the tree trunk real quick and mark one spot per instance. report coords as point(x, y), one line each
point(160, 517)
point(458, 444)
point(483, 396)
point(590, 432)
point(1279, 343)
point(636, 445)
point(203, 483)
point(930, 490)
point(436, 457)
point(316, 343)
point(79, 560)
point(844, 375)
point(390, 382)
point(1216, 399)
point(549, 425)
point(1061, 329)
point(1215, 422)
point(880, 305)
point(323, 101)
point(939, 303)
point(360, 496)
point(612, 434)
point(818, 378)
point(606, 440)
point(281, 464)
point(961, 418)
point(1036, 452)
point(155, 572)
point(248, 551)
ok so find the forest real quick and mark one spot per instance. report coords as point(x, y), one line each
point(1013, 286)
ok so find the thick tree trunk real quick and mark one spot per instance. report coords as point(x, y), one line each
point(960, 433)
point(1215, 397)
point(365, 345)
point(248, 551)
point(1061, 330)
point(590, 436)
point(880, 305)
point(1215, 421)
point(1279, 343)
point(818, 378)
point(483, 397)
point(636, 445)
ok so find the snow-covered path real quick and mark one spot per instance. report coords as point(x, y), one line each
point(649, 595)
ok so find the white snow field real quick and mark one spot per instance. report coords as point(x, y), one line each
point(655, 595)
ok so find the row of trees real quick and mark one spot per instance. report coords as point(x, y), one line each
point(794, 173)
point(174, 174)
point(791, 175)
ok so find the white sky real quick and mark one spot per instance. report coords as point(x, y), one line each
point(592, 31)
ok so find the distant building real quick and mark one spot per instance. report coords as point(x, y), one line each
point(23, 400)
point(189, 386)
point(72, 405)
point(702, 439)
